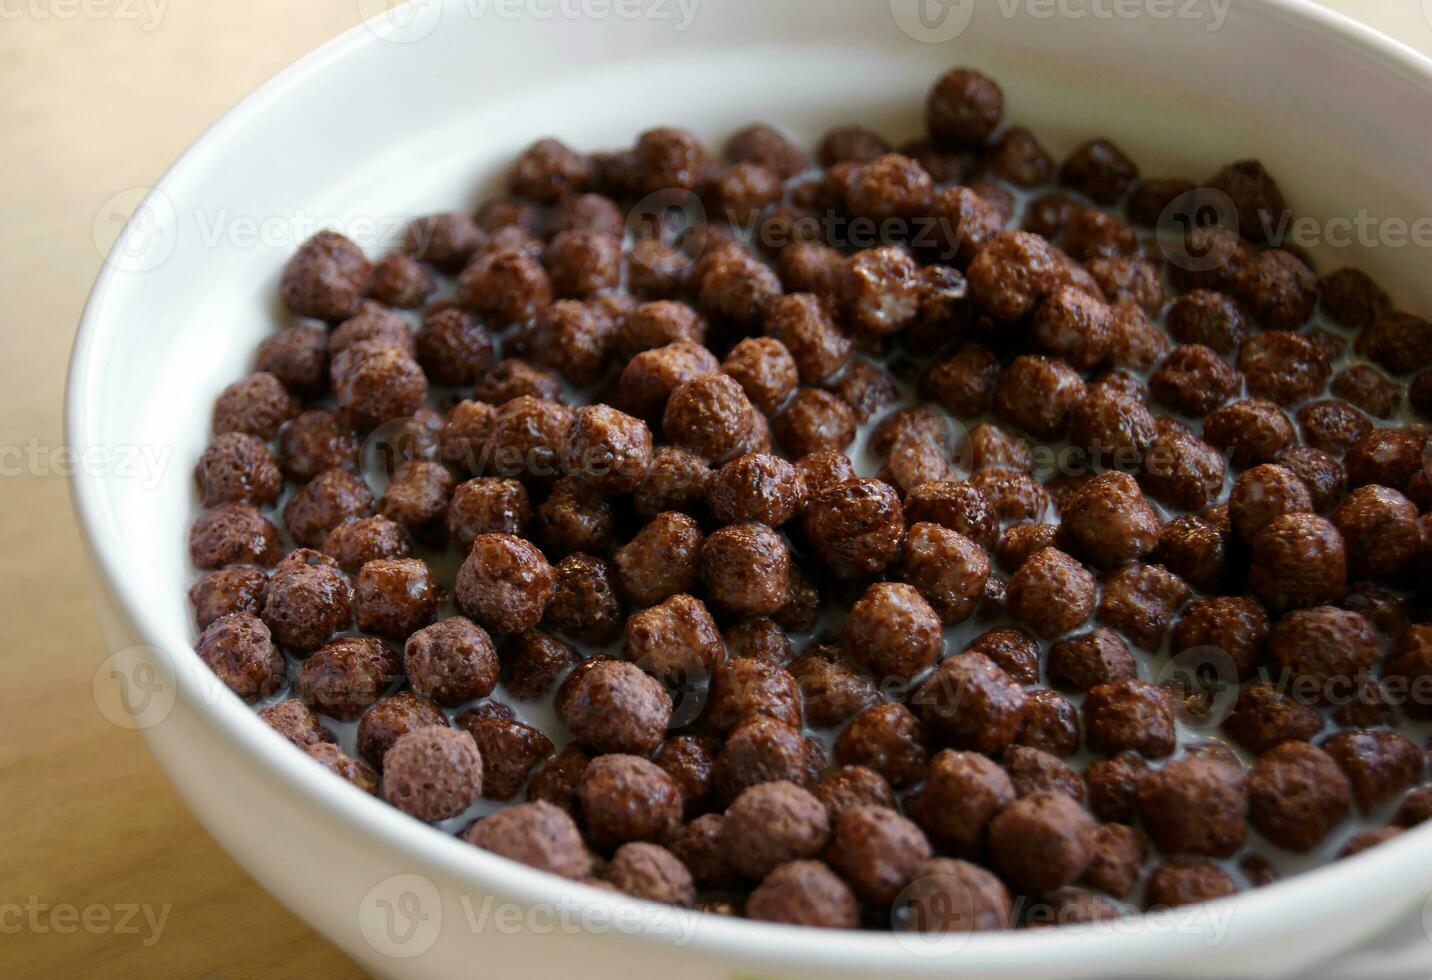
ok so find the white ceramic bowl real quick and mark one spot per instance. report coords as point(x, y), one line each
point(416, 115)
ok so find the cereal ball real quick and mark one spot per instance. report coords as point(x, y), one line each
point(742, 689)
point(802, 324)
point(1263, 493)
point(765, 370)
point(527, 438)
point(505, 583)
point(877, 851)
point(1182, 471)
point(374, 384)
point(651, 872)
point(509, 752)
point(556, 780)
point(1038, 394)
point(585, 604)
point(325, 279)
point(1277, 288)
point(452, 661)
point(1099, 170)
point(1193, 380)
point(443, 240)
point(850, 143)
point(1074, 326)
point(832, 693)
point(1283, 367)
point(532, 664)
point(948, 570)
point(810, 267)
point(766, 146)
point(256, 406)
point(575, 517)
point(963, 221)
point(487, 505)
point(892, 631)
point(1151, 196)
point(688, 760)
point(1298, 561)
point(464, 434)
point(237, 468)
point(1207, 318)
point(580, 262)
point(390, 719)
point(804, 893)
point(1265, 717)
point(961, 507)
point(1415, 808)
point(963, 382)
point(1369, 389)
point(968, 702)
point(745, 569)
point(538, 835)
point(1235, 626)
point(1140, 601)
point(1119, 853)
point(656, 324)
point(963, 108)
point(292, 719)
point(888, 739)
point(1380, 532)
point(307, 600)
point(698, 846)
point(1255, 195)
point(607, 449)
point(226, 591)
point(1178, 882)
point(417, 496)
point(356, 542)
point(661, 560)
point(1051, 593)
point(676, 642)
point(735, 288)
point(512, 378)
point(1012, 649)
point(626, 798)
point(1390, 457)
point(547, 171)
point(889, 188)
point(668, 159)
point(1195, 806)
point(711, 416)
point(1351, 298)
point(881, 290)
point(314, 442)
point(1410, 661)
point(573, 339)
point(770, 824)
point(757, 487)
point(346, 676)
point(1020, 541)
point(505, 285)
point(298, 357)
point(1041, 842)
point(1399, 342)
point(854, 786)
point(761, 638)
point(1379, 765)
point(1051, 723)
point(394, 597)
point(1083, 662)
point(1012, 273)
point(962, 793)
point(1127, 279)
point(815, 421)
point(1129, 715)
point(760, 750)
point(401, 281)
point(233, 534)
point(326, 501)
point(855, 527)
point(953, 896)
point(1108, 522)
point(1319, 472)
point(1115, 428)
point(1113, 785)
point(1254, 431)
point(1018, 157)
point(614, 707)
point(676, 481)
point(1296, 795)
point(240, 651)
point(1014, 494)
point(338, 762)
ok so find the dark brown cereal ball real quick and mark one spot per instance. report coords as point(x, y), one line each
point(963, 108)
point(401, 281)
point(452, 661)
point(757, 487)
point(892, 631)
point(745, 569)
point(307, 600)
point(298, 357)
point(1136, 343)
point(1379, 765)
point(760, 750)
point(743, 688)
point(1113, 785)
point(504, 584)
point(656, 324)
point(1014, 494)
point(801, 322)
point(1151, 196)
point(969, 702)
point(374, 384)
point(881, 290)
point(888, 739)
point(962, 793)
point(1178, 882)
point(326, 501)
point(1185, 472)
point(1047, 214)
point(1256, 197)
point(325, 278)
point(1107, 521)
point(1051, 593)
point(1020, 541)
point(953, 896)
point(256, 405)
point(962, 222)
point(668, 159)
point(1351, 298)
point(855, 527)
point(761, 638)
point(1093, 233)
point(1380, 532)
point(1114, 427)
point(1298, 560)
point(343, 678)
point(579, 263)
point(1051, 723)
point(487, 505)
point(1119, 852)
point(1129, 279)
point(1018, 157)
point(1074, 326)
point(918, 424)
point(1399, 342)
point(390, 719)
point(948, 570)
point(1235, 627)
point(573, 339)
point(1129, 715)
point(1369, 389)
point(852, 786)
point(804, 893)
point(533, 662)
point(417, 496)
point(810, 267)
point(1253, 430)
point(446, 241)
point(1099, 170)
point(1366, 840)
point(1038, 394)
point(239, 649)
point(341, 764)
point(292, 719)
point(538, 835)
point(394, 597)
point(1209, 319)
point(607, 449)
point(962, 382)
point(316, 441)
point(688, 759)
point(1034, 771)
point(1320, 473)
point(586, 212)
point(1209, 257)
point(505, 285)
point(830, 691)
point(356, 542)
point(556, 781)
point(676, 481)
point(661, 560)
point(888, 188)
point(464, 434)
point(547, 171)
point(228, 590)
point(1041, 842)
point(765, 370)
point(1193, 380)
point(586, 605)
point(374, 324)
point(574, 517)
point(615, 707)
point(1012, 649)
point(698, 845)
point(821, 470)
point(510, 750)
point(432, 773)
point(237, 468)
point(1140, 601)
point(770, 824)
point(877, 851)
point(1416, 808)
point(767, 146)
point(676, 642)
point(1283, 367)
point(735, 288)
point(1012, 273)
point(512, 377)
point(1296, 795)
point(1083, 662)
point(961, 507)
point(1263, 493)
point(711, 416)
point(1195, 806)
point(651, 872)
point(850, 143)
point(1410, 661)
point(527, 438)
point(1390, 457)
point(1277, 288)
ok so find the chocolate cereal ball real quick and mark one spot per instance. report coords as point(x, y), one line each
point(1263, 493)
point(804, 893)
point(1130, 715)
point(325, 279)
point(814, 421)
point(1296, 795)
point(1108, 522)
point(313, 442)
point(757, 487)
point(452, 661)
point(307, 600)
point(968, 702)
point(1379, 530)
point(710, 415)
point(343, 678)
point(759, 750)
point(855, 527)
point(538, 835)
point(953, 896)
point(394, 597)
point(745, 569)
point(1397, 341)
point(877, 851)
point(400, 281)
point(892, 631)
point(432, 773)
point(1038, 394)
point(1140, 601)
point(527, 438)
point(961, 507)
point(1323, 651)
point(293, 720)
point(676, 481)
point(765, 370)
point(626, 798)
point(651, 872)
point(509, 752)
point(1379, 764)
point(1182, 471)
point(1051, 593)
point(962, 793)
point(298, 357)
point(854, 786)
point(1253, 430)
point(948, 569)
point(533, 662)
point(504, 285)
point(237, 468)
point(390, 719)
point(830, 691)
point(585, 604)
point(1232, 626)
point(1051, 723)
point(1014, 650)
point(688, 759)
point(505, 583)
point(374, 383)
point(963, 108)
point(770, 824)
point(1083, 662)
point(1265, 717)
point(240, 651)
point(326, 501)
point(888, 739)
point(1113, 785)
point(1099, 170)
point(1299, 560)
point(612, 706)
point(698, 846)
point(575, 518)
point(1195, 806)
point(1179, 882)
point(1041, 842)
point(257, 405)
point(487, 505)
point(1208, 318)
point(663, 559)
point(512, 378)
point(1277, 288)
point(226, 591)
point(803, 325)
point(1034, 771)
point(743, 688)
point(356, 542)
point(677, 642)
point(1193, 380)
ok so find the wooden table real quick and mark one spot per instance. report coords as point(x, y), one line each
point(99, 97)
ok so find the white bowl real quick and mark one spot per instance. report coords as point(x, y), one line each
point(400, 118)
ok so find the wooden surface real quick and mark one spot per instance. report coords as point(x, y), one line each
point(97, 97)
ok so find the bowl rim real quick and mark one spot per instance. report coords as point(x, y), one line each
point(1265, 911)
